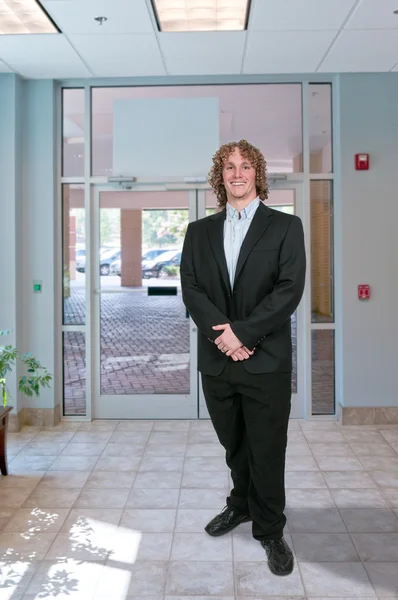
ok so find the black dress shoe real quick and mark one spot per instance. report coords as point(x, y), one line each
point(226, 521)
point(280, 557)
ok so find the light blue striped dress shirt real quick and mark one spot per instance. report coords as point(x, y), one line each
point(235, 230)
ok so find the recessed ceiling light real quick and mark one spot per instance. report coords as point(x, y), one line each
point(201, 15)
point(24, 17)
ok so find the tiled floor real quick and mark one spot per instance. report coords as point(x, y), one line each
point(116, 510)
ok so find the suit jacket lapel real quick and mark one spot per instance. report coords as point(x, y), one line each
point(260, 222)
point(215, 230)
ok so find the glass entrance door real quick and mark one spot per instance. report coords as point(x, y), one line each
point(145, 344)
point(286, 197)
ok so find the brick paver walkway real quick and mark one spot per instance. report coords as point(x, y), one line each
point(145, 349)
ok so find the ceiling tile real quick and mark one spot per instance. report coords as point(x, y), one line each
point(365, 51)
point(124, 16)
point(41, 56)
point(302, 51)
point(120, 55)
point(374, 15)
point(203, 53)
point(295, 15)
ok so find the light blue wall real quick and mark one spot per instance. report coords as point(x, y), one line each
point(369, 226)
point(40, 228)
point(27, 219)
point(11, 205)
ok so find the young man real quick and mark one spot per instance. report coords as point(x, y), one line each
point(242, 277)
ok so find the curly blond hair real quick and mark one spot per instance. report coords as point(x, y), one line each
point(252, 154)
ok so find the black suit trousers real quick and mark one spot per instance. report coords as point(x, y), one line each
point(250, 413)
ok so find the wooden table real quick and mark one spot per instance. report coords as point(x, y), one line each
point(4, 412)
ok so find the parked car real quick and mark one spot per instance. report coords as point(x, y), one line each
point(107, 258)
point(154, 268)
point(155, 252)
point(116, 267)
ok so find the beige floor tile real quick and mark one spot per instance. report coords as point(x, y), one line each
point(129, 437)
point(124, 426)
point(391, 496)
point(79, 449)
point(149, 520)
point(203, 498)
point(201, 547)
point(36, 520)
point(296, 437)
point(324, 547)
point(384, 577)
point(153, 498)
point(24, 546)
point(194, 520)
point(385, 479)
point(91, 519)
point(380, 463)
point(172, 426)
point(200, 578)
point(53, 435)
point(44, 448)
point(358, 498)
point(254, 578)
point(102, 498)
point(43, 497)
point(339, 463)
point(362, 435)
point(13, 497)
point(377, 547)
point(117, 464)
point(324, 436)
point(15, 576)
point(348, 479)
point(154, 546)
point(88, 437)
point(25, 461)
point(205, 449)
point(74, 463)
point(301, 463)
point(205, 463)
point(64, 479)
point(321, 449)
point(20, 481)
point(201, 479)
point(335, 580)
point(64, 580)
point(298, 449)
point(296, 498)
point(124, 450)
point(369, 520)
point(315, 520)
point(106, 479)
point(375, 449)
point(167, 450)
point(123, 581)
point(161, 463)
point(304, 480)
point(157, 480)
point(203, 437)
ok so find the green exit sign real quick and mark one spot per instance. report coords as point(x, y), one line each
point(37, 287)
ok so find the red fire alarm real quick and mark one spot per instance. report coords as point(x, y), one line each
point(362, 162)
point(364, 292)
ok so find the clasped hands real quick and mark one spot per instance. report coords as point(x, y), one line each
point(230, 345)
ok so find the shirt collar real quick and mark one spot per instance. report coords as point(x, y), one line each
point(246, 213)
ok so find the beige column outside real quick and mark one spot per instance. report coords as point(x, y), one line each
point(131, 247)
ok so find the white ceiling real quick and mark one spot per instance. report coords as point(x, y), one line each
point(284, 36)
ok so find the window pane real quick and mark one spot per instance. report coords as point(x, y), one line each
point(322, 279)
point(320, 108)
point(323, 401)
point(74, 255)
point(74, 351)
point(267, 115)
point(73, 132)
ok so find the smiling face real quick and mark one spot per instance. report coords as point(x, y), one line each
point(239, 177)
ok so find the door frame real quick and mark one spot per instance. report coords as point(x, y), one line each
point(132, 406)
point(301, 400)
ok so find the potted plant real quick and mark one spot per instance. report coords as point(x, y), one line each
point(35, 377)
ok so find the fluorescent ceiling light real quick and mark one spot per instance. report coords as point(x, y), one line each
point(24, 16)
point(201, 15)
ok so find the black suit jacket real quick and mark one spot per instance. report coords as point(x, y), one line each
point(268, 286)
